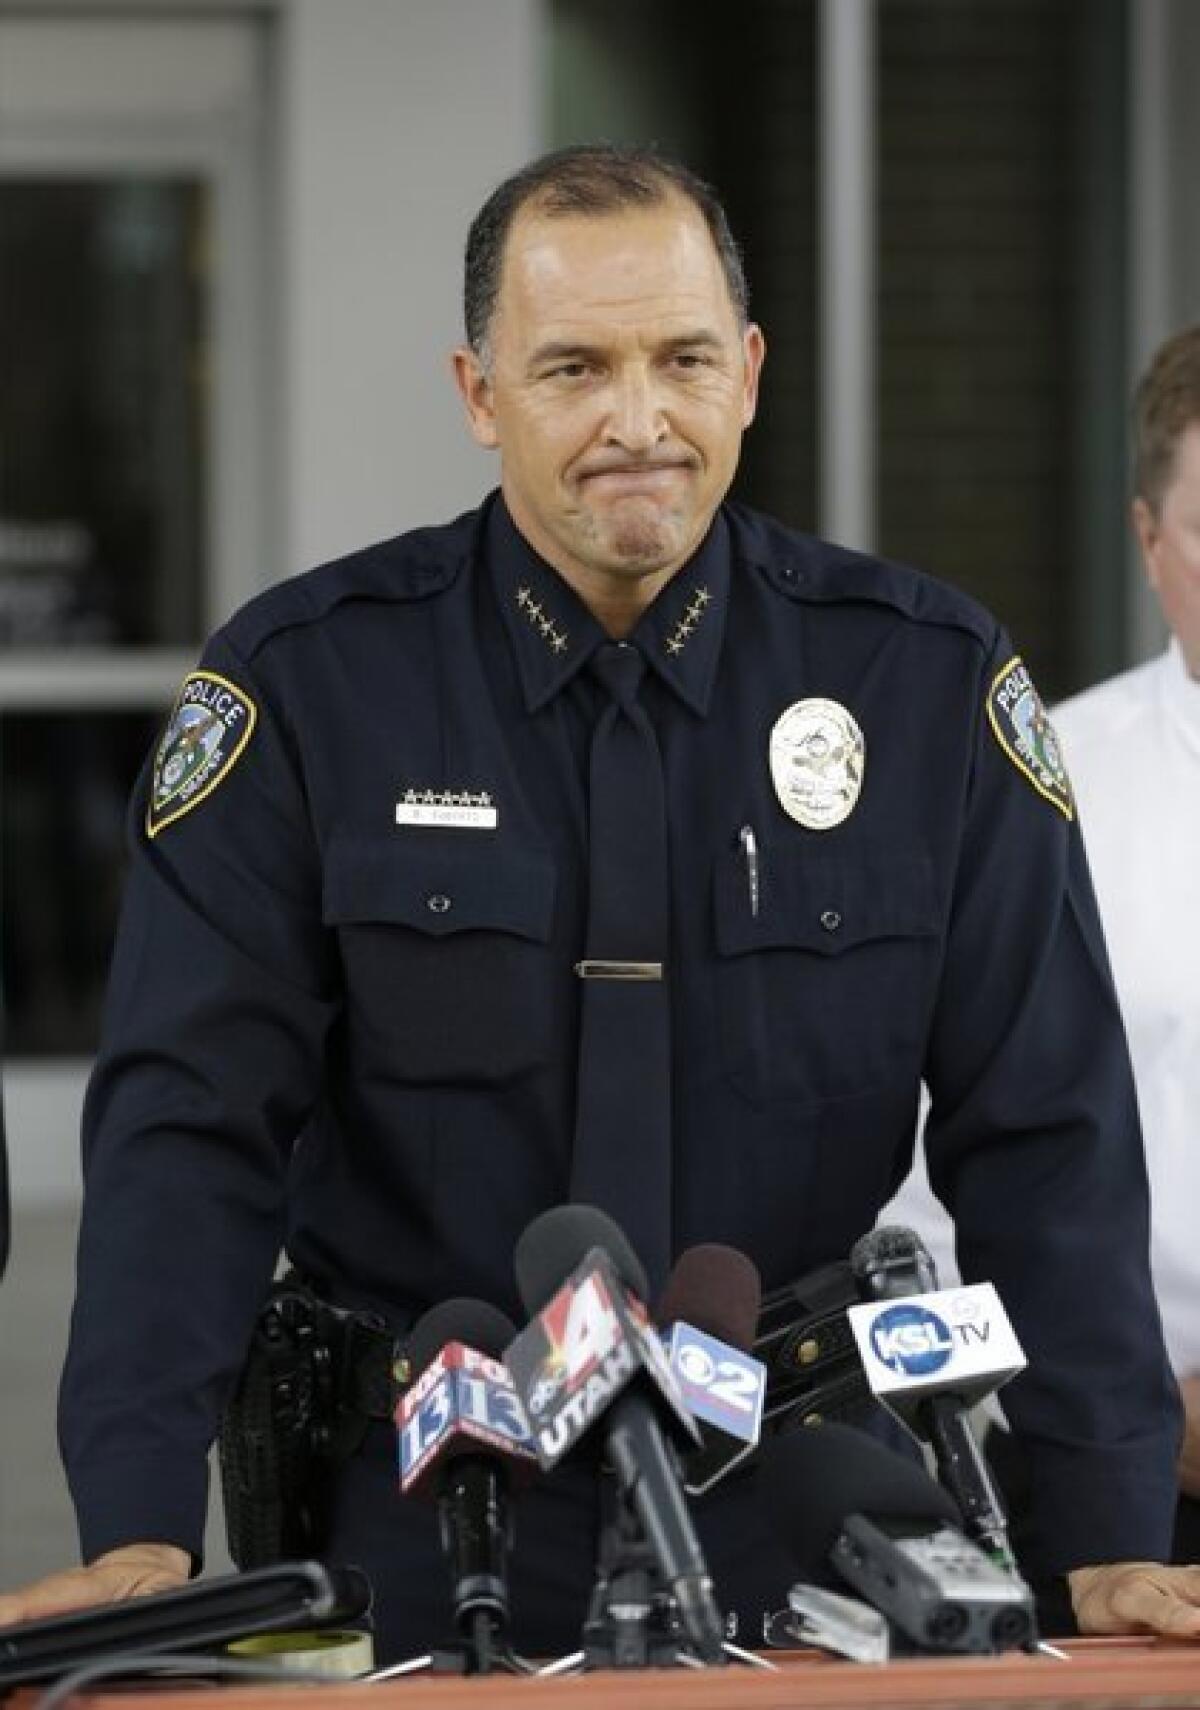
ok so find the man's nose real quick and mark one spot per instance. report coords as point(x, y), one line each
point(636, 419)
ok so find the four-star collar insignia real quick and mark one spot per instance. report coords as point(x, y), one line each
point(210, 725)
point(556, 639)
point(685, 628)
point(1021, 725)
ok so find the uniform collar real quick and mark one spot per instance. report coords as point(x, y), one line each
point(553, 634)
point(681, 633)
point(1181, 693)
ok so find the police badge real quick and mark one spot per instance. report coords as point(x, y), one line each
point(1022, 727)
point(818, 758)
point(207, 731)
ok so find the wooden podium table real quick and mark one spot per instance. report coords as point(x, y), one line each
point(1107, 1674)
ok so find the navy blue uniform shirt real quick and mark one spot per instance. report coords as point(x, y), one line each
point(336, 1029)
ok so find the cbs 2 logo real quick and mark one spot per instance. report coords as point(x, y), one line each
point(726, 1380)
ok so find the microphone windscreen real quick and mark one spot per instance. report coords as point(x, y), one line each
point(555, 1242)
point(482, 1327)
point(811, 1479)
point(716, 1289)
point(893, 1255)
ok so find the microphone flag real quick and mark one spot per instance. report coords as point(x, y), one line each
point(589, 1342)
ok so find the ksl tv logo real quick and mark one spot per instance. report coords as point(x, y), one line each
point(954, 1337)
point(915, 1341)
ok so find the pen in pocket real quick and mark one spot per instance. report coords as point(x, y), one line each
point(749, 845)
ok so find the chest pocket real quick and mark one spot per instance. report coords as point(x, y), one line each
point(825, 992)
point(446, 954)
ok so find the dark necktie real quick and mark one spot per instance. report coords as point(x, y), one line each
point(622, 1156)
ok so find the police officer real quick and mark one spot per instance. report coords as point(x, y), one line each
point(369, 1000)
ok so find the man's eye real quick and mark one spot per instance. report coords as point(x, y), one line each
point(569, 371)
point(690, 359)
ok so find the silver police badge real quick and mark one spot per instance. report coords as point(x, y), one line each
point(817, 761)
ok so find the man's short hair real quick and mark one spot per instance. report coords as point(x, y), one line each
point(591, 179)
point(1165, 405)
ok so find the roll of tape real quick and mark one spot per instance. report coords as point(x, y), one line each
point(339, 1653)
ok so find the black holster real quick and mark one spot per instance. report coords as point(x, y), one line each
point(315, 1375)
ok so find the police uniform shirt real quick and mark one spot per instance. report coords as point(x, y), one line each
point(343, 1013)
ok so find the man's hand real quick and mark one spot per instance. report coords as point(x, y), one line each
point(131, 1571)
point(1137, 1597)
point(1189, 1454)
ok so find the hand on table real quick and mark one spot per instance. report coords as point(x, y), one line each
point(1137, 1597)
point(131, 1571)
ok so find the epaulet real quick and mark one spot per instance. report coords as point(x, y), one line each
point(412, 566)
point(804, 568)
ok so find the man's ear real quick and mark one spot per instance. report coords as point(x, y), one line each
point(475, 388)
point(1145, 526)
point(754, 350)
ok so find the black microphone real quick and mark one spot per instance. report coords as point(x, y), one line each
point(463, 1437)
point(843, 1500)
point(708, 1310)
point(590, 1355)
point(892, 1262)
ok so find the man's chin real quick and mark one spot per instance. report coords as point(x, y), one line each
point(643, 544)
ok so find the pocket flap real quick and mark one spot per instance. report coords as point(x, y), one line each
point(440, 888)
point(823, 904)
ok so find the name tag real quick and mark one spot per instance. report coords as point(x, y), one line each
point(475, 813)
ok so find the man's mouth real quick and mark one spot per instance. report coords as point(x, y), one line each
point(626, 480)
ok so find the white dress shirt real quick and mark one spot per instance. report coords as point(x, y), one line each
point(1132, 748)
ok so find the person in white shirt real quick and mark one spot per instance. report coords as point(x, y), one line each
point(1132, 749)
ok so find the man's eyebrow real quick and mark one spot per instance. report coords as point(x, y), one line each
point(703, 338)
point(575, 350)
point(562, 350)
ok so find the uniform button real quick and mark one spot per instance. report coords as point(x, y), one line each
point(831, 920)
point(437, 903)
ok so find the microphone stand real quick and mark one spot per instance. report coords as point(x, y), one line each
point(479, 1654)
point(631, 1620)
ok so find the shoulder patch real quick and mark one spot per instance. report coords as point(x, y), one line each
point(206, 734)
point(1021, 725)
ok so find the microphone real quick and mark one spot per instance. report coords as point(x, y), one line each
point(589, 1355)
point(711, 1303)
point(931, 1354)
point(891, 1533)
point(463, 1439)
